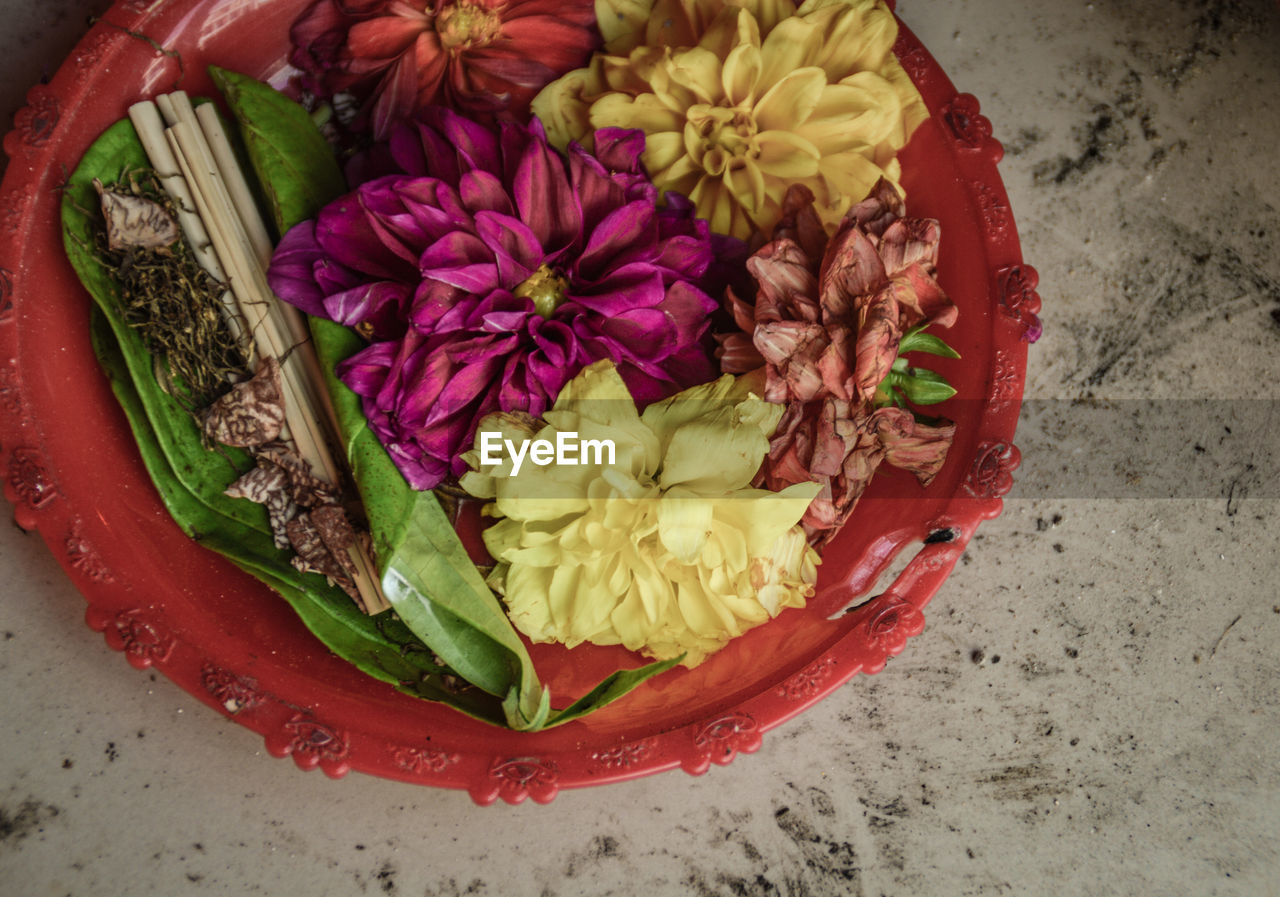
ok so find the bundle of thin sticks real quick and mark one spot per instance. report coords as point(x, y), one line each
point(195, 162)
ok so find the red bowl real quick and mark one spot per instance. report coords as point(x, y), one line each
point(74, 473)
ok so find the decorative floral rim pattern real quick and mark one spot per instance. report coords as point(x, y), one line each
point(138, 572)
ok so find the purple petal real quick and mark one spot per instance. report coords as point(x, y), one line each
point(292, 271)
point(482, 347)
point(419, 149)
point(645, 333)
point(482, 191)
point(514, 245)
point(544, 196)
point(436, 207)
point(380, 304)
point(342, 229)
point(623, 229)
point(461, 260)
point(432, 302)
point(619, 149)
point(632, 286)
point(690, 310)
point(477, 146)
point(597, 193)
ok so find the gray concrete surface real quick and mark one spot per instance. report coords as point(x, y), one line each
point(1092, 708)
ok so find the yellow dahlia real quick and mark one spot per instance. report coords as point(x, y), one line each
point(659, 544)
point(738, 99)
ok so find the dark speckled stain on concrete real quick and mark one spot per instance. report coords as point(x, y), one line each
point(1208, 29)
point(385, 877)
point(601, 849)
point(451, 888)
point(1179, 279)
point(1120, 116)
point(18, 822)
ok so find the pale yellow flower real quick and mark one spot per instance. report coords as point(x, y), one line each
point(665, 548)
point(738, 100)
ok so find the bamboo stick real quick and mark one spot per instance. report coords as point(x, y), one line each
point(235, 231)
point(251, 239)
point(146, 121)
point(247, 209)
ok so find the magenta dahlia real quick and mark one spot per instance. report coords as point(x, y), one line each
point(491, 270)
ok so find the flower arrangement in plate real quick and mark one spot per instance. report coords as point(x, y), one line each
point(630, 290)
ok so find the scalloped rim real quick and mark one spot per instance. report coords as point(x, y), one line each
point(883, 625)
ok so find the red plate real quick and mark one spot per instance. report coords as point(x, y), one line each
point(72, 471)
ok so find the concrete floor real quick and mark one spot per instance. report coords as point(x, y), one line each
point(1092, 707)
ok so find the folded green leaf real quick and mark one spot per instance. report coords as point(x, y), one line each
point(190, 479)
point(922, 386)
point(295, 165)
point(916, 340)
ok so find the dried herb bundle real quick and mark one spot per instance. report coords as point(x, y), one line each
point(164, 293)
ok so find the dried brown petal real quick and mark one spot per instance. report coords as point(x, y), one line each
point(876, 346)
point(851, 271)
point(305, 488)
point(268, 485)
point(914, 445)
point(337, 534)
point(252, 413)
point(134, 222)
point(909, 241)
point(794, 347)
point(801, 223)
point(313, 556)
point(880, 209)
point(827, 320)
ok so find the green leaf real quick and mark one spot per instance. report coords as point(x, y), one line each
point(924, 387)
point(609, 690)
point(190, 480)
point(295, 165)
point(388, 499)
point(918, 341)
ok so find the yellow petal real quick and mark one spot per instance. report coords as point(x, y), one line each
point(713, 201)
point(684, 524)
point(665, 417)
point(791, 100)
point(732, 27)
point(561, 108)
point(698, 71)
point(769, 13)
point(856, 41)
point(663, 149)
point(681, 177)
point(746, 182)
point(739, 74)
point(622, 22)
point(677, 23)
point(793, 44)
point(645, 113)
point(864, 109)
point(786, 156)
point(701, 613)
point(914, 112)
point(713, 455)
point(762, 516)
